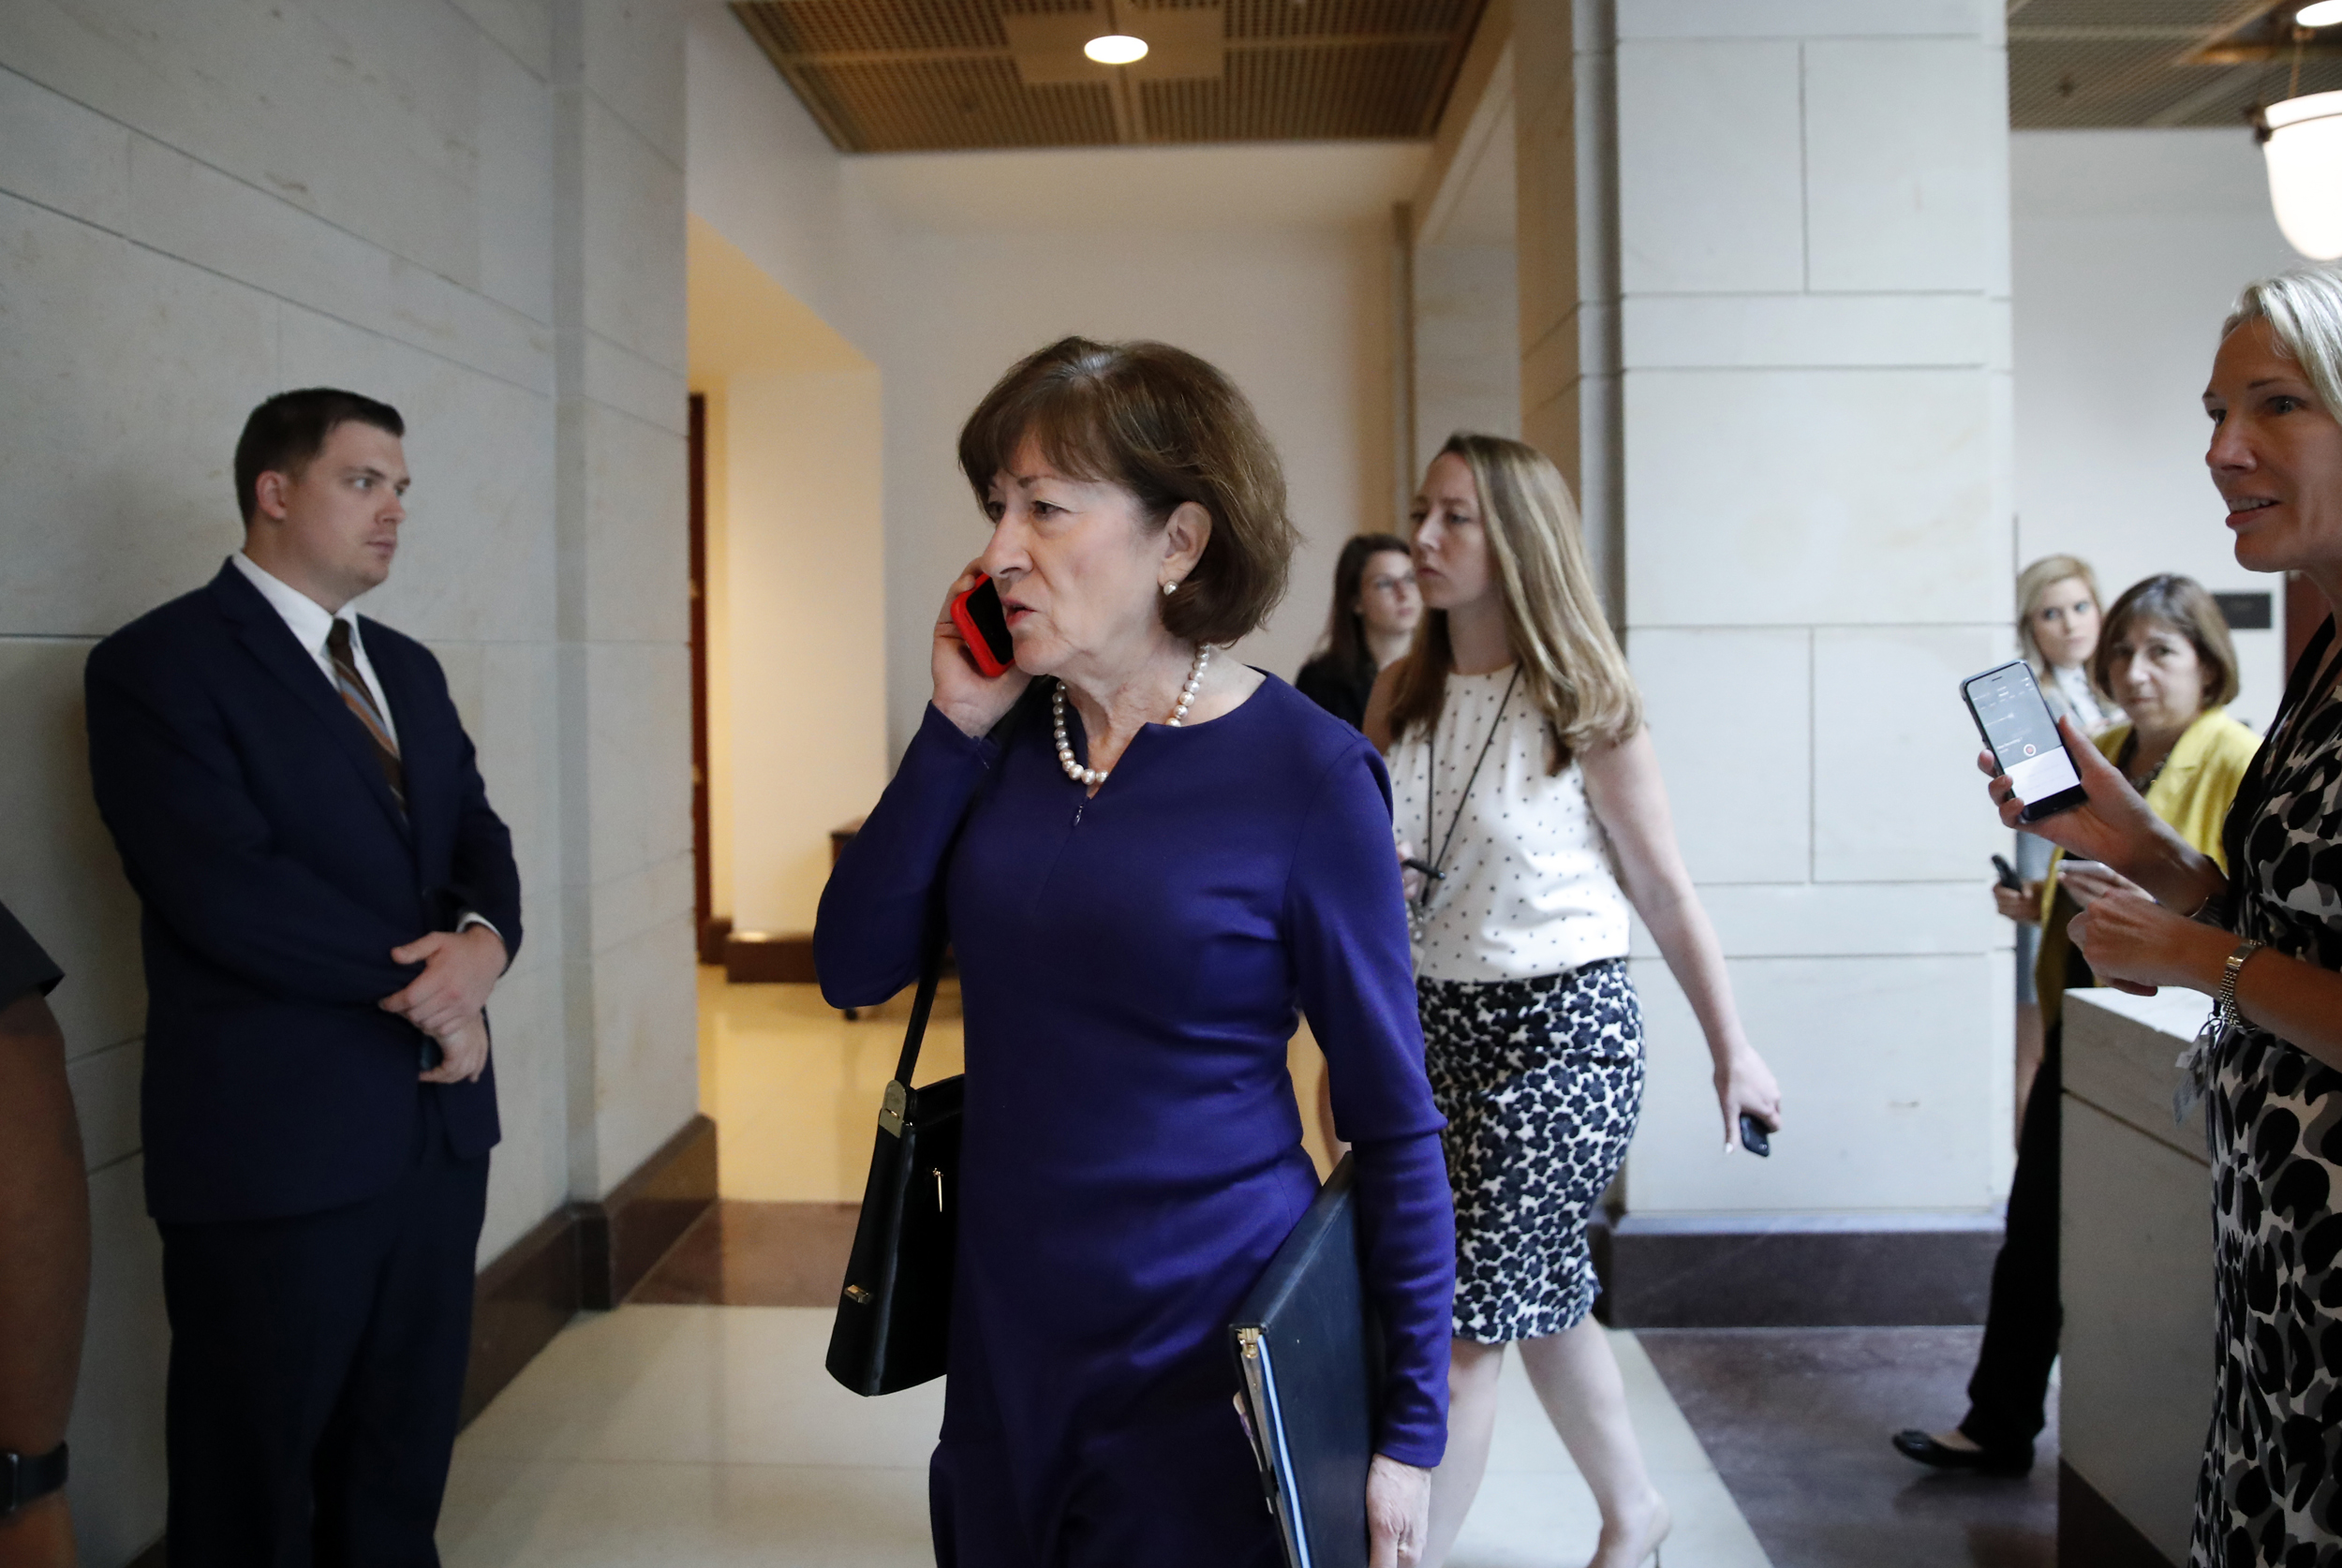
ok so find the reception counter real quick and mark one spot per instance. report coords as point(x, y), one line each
point(2136, 1274)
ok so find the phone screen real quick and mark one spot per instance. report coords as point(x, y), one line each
point(2023, 737)
point(984, 628)
point(984, 608)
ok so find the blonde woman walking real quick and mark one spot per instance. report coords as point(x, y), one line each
point(1522, 772)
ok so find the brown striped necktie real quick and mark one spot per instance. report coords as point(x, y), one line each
point(352, 686)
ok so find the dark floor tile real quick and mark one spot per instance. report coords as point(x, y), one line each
point(1796, 1421)
point(744, 1254)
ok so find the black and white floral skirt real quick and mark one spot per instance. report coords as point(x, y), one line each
point(1541, 1083)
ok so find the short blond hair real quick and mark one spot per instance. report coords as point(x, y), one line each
point(2039, 579)
point(2303, 309)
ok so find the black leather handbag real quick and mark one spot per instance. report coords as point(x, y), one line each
point(894, 1309)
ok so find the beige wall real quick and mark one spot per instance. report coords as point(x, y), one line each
point(1776, 274)
point(474, 211)
point(797, 533)
point(808, 668)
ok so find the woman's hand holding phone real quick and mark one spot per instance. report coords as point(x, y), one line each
point(2115, 828)
point(2113, 825)
point(2020, 903)
point(965, 695)
point(2089, 881)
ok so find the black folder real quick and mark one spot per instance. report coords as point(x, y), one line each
point(1309, 1353)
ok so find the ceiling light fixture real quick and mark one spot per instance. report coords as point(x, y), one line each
point(1120, 49)
point(2320, 13)
point(2302, 139)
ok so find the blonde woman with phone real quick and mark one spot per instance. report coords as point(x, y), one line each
point(1519, 766)
point(2262, 936)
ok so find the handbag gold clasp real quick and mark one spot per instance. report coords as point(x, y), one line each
point(891, 1108)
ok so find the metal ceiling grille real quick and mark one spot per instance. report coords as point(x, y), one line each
point(2080, 63)
point(891, 75)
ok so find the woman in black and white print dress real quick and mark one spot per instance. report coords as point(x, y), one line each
point(1522, 777)
point(2270, 1492)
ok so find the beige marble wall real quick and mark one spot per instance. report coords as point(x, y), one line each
point(474, 212)
point(1763, 253)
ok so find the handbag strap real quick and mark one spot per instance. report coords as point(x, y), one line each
point(930, 971)
point(931, 962)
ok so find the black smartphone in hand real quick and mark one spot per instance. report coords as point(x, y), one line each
point(1755, 1138)
point(2018, 730)
point(2006, 874)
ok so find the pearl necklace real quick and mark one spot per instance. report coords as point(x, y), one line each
point(1094, 776)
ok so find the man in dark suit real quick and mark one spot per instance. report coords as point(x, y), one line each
point(328, 901)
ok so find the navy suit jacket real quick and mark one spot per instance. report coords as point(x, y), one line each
point(276, 873)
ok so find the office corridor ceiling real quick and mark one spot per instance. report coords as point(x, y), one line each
point(897, 76)
point(2075, 63)
point(891, 75)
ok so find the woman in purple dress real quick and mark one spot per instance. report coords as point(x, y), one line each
point(1143, 881)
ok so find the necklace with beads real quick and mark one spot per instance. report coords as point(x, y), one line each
point(1094, 776)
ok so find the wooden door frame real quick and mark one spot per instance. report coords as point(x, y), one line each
point(712, 933)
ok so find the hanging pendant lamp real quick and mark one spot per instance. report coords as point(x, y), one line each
point(2302, 139)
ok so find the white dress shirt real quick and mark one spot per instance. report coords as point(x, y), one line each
point(311, 624)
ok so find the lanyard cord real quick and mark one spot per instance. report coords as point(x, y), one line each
point(1430, 790)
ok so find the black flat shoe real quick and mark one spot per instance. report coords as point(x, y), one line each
point(1912, 1443)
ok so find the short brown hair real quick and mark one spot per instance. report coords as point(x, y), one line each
point(284, 433)
point(1169, 428)
point(2182, 605)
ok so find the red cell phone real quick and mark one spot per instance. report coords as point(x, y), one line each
point(983, 625)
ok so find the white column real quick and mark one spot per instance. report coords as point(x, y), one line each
point(1813, 542)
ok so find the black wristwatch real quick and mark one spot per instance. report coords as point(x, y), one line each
point(24, 1481)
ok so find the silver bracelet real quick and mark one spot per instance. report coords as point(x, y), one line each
point(2224, 1005)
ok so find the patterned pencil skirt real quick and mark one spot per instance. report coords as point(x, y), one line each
point(1541, 1083)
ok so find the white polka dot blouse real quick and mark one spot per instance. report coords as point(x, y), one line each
point(1530, 887)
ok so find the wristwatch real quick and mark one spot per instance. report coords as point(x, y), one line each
point(25, 1479)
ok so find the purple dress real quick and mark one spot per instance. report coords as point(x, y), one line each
point(1130, 968)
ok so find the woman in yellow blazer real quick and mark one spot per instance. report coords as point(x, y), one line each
point(2165, 655)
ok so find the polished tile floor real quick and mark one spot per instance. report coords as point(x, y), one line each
point(1797, 1421)
point(673, 1432)
point(710, 1435)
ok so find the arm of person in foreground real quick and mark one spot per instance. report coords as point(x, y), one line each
point(871, 930)
point(1348, 931)
point(1630, 800)
point(44, 1265)
point(2139, 945)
